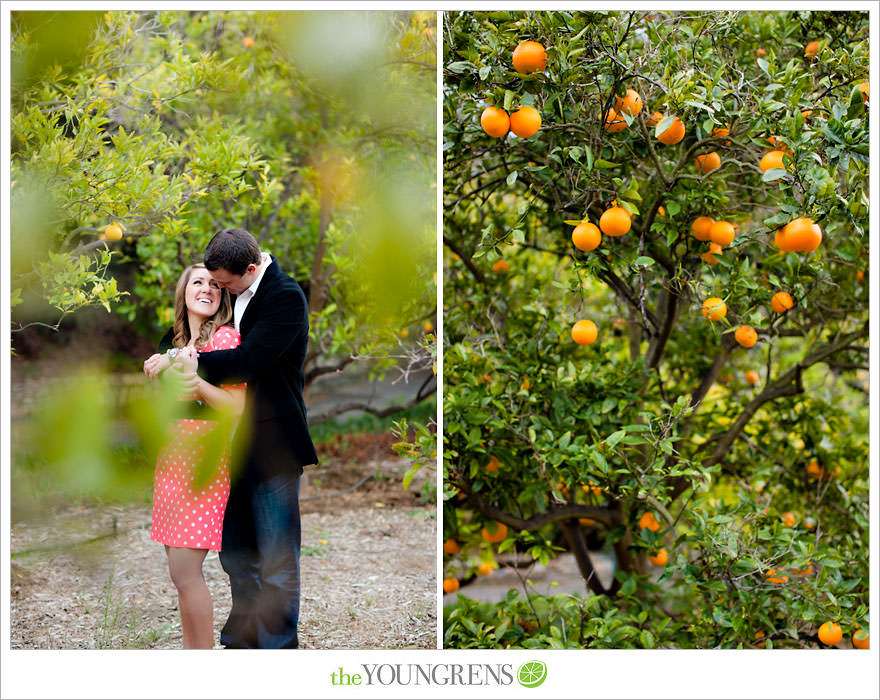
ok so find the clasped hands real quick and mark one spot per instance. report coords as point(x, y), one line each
point(184, 370)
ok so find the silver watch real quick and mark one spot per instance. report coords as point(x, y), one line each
point(172, 354)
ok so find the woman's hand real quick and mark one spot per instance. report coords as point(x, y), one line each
point(188, 359)
point(155, 364)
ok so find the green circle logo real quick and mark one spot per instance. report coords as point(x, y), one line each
point(531, 674)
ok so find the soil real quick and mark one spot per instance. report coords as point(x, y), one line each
point(91, 578)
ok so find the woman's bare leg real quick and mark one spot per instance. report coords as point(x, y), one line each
point(194, 598)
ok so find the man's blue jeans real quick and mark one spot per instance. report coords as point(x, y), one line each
point(261, 548)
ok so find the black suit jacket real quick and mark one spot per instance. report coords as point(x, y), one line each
point(274, 339)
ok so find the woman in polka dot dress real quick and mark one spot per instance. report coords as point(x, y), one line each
point(189, 496)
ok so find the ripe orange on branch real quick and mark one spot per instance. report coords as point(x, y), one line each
point(584, 332)
point(801, 235)
point(746, 336)
point(860, 639)
point(632, 101)
point(615, 221)
point(781, 302)
point(722, 232)
point(495, 122)
point(654, 119)
point(714, 309)
point(673, 134)
point(772, 159)
point(752, 377)
point(450, 585)
point(660, 559)
point(830, 633)
point(450, 546)
point(529, 57)
point(863, 88)
point(707, 163)
point(586, 236)
point(701, 226)
point(614, 122)
point(501, 266)
point(498, 533)
point(113, 232)
point(773, 576)
point(649, 521)
point(525, 122)
point(811, 50)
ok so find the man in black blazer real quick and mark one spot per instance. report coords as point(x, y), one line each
point(261, 528)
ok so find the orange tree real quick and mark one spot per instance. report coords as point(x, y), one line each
point(713, 447)
point(164, 126)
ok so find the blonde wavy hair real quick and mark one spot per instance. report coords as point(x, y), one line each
point(181, 322)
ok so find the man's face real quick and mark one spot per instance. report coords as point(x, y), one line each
point(236, 284)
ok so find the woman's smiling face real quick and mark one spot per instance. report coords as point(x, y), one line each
point(202, 293)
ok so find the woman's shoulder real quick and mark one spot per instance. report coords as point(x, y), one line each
point(225, 338)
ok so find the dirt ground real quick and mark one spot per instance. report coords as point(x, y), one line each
point(368, 567)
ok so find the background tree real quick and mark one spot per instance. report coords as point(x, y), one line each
point(129, 153)
point(727, 478)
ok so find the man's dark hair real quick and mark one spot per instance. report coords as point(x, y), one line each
point(233, 249)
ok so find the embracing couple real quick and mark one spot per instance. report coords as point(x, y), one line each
point(238, 344)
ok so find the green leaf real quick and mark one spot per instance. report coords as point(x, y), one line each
point(460, 66)
point(643, 260)
point(604, 164)
point(774, 174)
point(511, 178)
point(664, 124)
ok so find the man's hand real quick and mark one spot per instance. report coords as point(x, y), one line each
point(155, 364)
point(188, 359)
point(189, 385)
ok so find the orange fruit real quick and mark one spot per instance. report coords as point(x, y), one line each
point(705, 164)
point(799, 236)
point(648, 521)
point(631, 101)
point(830, 633)
point(760, 635)
point(787, 519)
point(803, 572)
point(450, 585)
point(814, 470)
point(525, 122)
point(501, 266)
point(493, 464)
point(428, 326)
point(248, 42)
point(752, 377)
point(714, 309)
point(485, 568)
point(772, 159)
point(708, 258)
point(654, 119)
point(781, 302)
point(660, 558)
point(499, 532)
point(746, 336)
point(586, 521)
point(615, 221)
point(614, 122)
point(722, 232)
point(809, 523)
point(761, 52)
point(450, 546)
point(806, 113)
point(700, 227)
point(860, 639)
point(776, 144)
point(773, 576)
point(720, 131)
point(584, 332)
point(811, 49)
point(673, 134)
point(863, 88)
point(113, 232)
point(529, 56)
point(526, 385)
point(860, 275)
point(495, 122)
point(619, 323)
point(661, 211)
point(586, 236)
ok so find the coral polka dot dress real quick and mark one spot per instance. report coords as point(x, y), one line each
point(188, 504)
